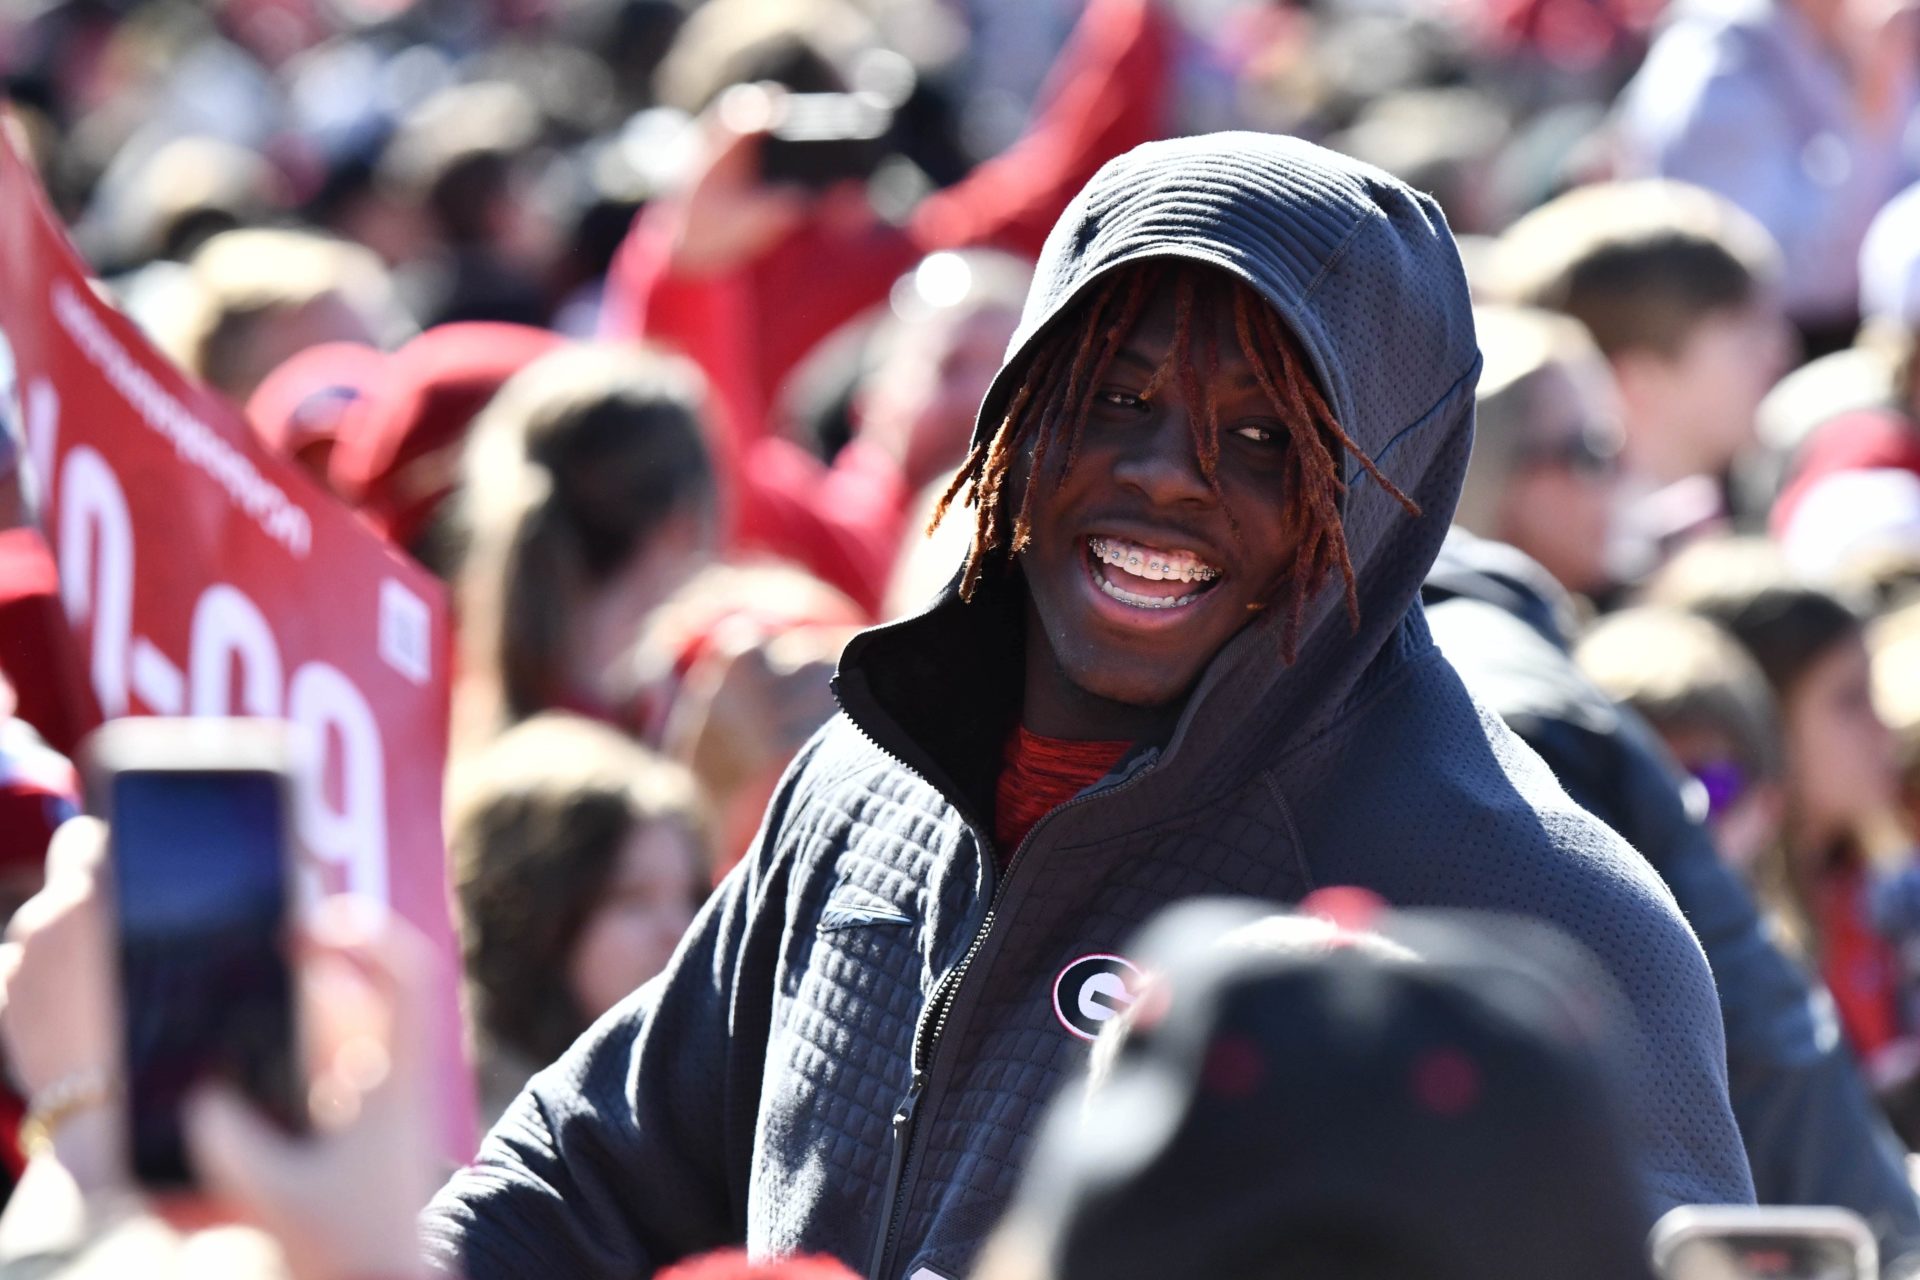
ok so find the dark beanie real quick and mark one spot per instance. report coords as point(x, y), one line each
point(1438, 1104)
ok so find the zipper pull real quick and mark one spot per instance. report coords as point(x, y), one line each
point(903, 1114)
point(890, 1208)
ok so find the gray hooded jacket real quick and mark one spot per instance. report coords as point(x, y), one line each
point(851, 1049)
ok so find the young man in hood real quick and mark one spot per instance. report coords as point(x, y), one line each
point(1185, 657)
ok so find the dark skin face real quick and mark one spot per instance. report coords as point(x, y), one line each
point(1113, 649)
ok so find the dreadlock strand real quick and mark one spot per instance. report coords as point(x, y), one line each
point(1309, 391)
point(1055, 382)
point(1316, 476)
point(1134, 288)
point(969, 473)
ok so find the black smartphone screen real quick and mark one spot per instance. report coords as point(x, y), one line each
point(199, 870)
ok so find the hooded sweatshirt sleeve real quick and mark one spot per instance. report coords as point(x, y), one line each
point(632, 1150)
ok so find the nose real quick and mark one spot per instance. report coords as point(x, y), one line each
point(1159, 460)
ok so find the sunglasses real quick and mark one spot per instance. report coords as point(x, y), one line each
point(1586, 453)
point(1726, 784)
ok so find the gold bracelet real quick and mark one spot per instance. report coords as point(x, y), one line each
point(58, 1103)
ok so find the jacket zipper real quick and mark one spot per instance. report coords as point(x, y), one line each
point(934, 1022)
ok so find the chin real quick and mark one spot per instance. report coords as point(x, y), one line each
point(1147, 694)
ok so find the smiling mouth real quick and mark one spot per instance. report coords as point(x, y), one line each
point(1148, 577)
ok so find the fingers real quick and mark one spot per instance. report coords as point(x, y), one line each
point(377, 974)
point(59, 1012)
point(237, 1153)
point(79, 849)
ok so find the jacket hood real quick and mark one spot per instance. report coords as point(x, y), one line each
point(1364, 272)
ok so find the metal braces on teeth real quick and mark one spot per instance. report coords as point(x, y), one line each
point(1134, 562)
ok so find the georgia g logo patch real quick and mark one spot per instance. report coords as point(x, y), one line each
point(1094, 990)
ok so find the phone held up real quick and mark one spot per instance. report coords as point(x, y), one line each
point(818, 139)
point(200, 820)
point(1763, 1242)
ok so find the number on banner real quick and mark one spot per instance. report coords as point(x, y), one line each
point(96, 569)
point(344, 827)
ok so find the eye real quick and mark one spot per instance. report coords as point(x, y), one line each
point(1120, 399)
point(1257, 433)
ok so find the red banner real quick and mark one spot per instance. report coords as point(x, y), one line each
point(204, 575)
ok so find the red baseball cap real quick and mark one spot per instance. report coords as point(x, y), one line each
point(398, 453)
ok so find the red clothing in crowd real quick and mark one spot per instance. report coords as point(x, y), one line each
point(749, 327)
point(1866, 440)
point(1861, 968)
point(1037, 773)
point(732, 1264)
point(38, 653)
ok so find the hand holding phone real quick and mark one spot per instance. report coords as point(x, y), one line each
point(201, 868)
point(58, 1011)
point(341, 1200)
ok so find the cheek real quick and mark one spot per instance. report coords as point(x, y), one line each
point(619, 949)
point(1839, 762)
point(1548, 508)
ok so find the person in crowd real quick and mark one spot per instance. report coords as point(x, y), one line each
point(1677, 287)
point(934, 354)
point(1433, 1097)
point(588, 499)
point(1883, 433)
point(1799, 112)
point(1811, 1131)
point(731, 676)
point(1840, 776)
point(260, 296)
point(919, 380)
point(396, 455)
point(1185, 656)
point(578, 860)
point(463, 163)
point(1698, 689)
point(1546, 445)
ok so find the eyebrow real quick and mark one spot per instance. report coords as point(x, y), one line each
point(1244, 381)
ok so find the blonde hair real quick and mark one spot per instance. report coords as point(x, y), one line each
point(240, 277)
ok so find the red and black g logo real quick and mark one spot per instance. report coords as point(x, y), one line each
point(1092, 991)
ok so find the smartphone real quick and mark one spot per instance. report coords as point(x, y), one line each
point(1763, 1242)
point(819, 139)
point(200, 840)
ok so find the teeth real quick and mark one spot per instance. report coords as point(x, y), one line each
point(1143, 602)
point(1179, 566)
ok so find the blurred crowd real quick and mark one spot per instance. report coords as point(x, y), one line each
point(548, 291)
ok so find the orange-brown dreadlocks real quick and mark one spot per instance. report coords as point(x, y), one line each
point(1067, 368)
